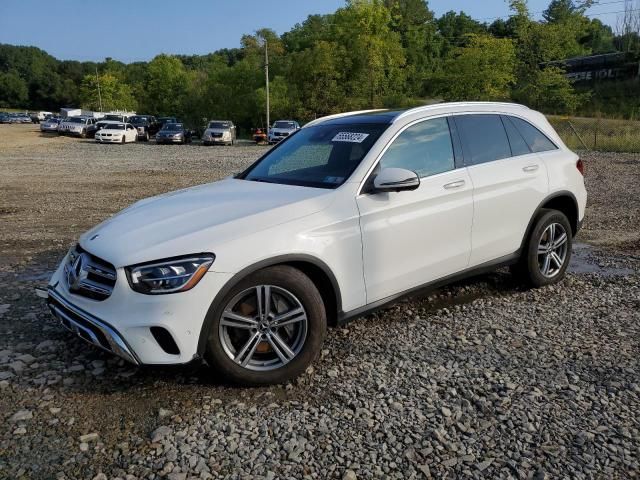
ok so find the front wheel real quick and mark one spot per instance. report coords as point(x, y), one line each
point(547, 252)
point(268, 328)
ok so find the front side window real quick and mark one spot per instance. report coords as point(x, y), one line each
point(323, 156)
point(484, 139)
point(538, 141)
point(424, 148)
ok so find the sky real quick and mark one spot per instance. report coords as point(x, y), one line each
point(134, 30)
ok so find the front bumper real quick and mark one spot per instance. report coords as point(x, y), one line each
point(128, 317)
point(109, 139)
point(88, 327)
point(212, 140)
point(169, 140)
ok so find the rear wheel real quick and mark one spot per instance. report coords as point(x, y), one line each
point(268, 328)
point(547, 252)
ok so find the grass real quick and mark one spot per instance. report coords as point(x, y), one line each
point(599, 134)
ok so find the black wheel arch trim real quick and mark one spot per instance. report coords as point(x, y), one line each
point(536, 213)
point(269, 262)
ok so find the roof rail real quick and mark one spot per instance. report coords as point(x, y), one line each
point(435, 106)
point(339, 115)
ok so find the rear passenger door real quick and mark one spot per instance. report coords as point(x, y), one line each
point(509, 183)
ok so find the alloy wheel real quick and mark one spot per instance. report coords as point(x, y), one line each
point(263, 328)
point(552, 250)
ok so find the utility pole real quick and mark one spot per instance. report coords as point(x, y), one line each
point(99, 94)
point(266, 74)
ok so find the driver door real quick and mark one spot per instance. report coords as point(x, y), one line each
point(411, 238)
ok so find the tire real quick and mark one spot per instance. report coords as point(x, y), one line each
point(146, 137)
point(83, 134)
point(123, 140)
point(538, 265)
point(267, 363)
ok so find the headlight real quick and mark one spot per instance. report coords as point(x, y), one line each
point(169, 276)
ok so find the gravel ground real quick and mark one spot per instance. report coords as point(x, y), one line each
point(482, 379)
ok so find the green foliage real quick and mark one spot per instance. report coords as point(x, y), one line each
point(482, 70)
point(13, 90)
point(367, 54)
point(550, 91)
point(113, 93)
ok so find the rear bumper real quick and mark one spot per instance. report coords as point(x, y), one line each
point(88, 327)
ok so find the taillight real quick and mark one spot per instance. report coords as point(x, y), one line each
point(580, 166)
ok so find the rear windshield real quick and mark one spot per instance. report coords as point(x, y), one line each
point(323, 156)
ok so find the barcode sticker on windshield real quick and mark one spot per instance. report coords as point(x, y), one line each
point(350, 137)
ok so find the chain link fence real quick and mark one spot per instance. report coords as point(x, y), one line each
point(599, 134)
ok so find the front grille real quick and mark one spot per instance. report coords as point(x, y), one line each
point(89, 276)
point(282, 134)
point(216, 135)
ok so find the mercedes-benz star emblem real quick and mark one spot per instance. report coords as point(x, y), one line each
point(77, 273)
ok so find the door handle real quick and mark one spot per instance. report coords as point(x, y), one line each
point(530, 168)
point(456, 184)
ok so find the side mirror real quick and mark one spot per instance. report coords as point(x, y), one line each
point(395, 180)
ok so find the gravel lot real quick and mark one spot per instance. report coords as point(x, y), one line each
point(482, 379)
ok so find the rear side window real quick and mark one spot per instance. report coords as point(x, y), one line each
point(424, 148)
point(516, 140)
point(538, 141)
point(483, 138)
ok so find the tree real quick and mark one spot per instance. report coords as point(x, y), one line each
point(482, 70)
point(115, 95)
point(13, 90)
point(374, 59)
point(164, 88)
point(551, 91)
point(422, 46)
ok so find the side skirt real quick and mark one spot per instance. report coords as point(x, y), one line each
point(344, 317)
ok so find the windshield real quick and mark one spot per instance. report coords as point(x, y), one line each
point(220, 125)
point(75, 120)
point(323, 156)
point(137, 119)
point(118, 118)
point(284, 125)
point(114, 126)
point(167, 119)
point(172, 126)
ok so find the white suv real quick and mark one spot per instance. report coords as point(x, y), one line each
point(347, 214)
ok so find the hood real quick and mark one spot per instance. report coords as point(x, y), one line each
point(197, 219)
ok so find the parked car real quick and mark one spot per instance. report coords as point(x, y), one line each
point(50, 125)
point(173, 133)
point(78, 126)
point(282, 129)
point(162, 121)
point(116, 117)
point(5, 118)
point(37, 117)
point(352, 212)
point(117, 133)
point(146, 125)
point(219, 132)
